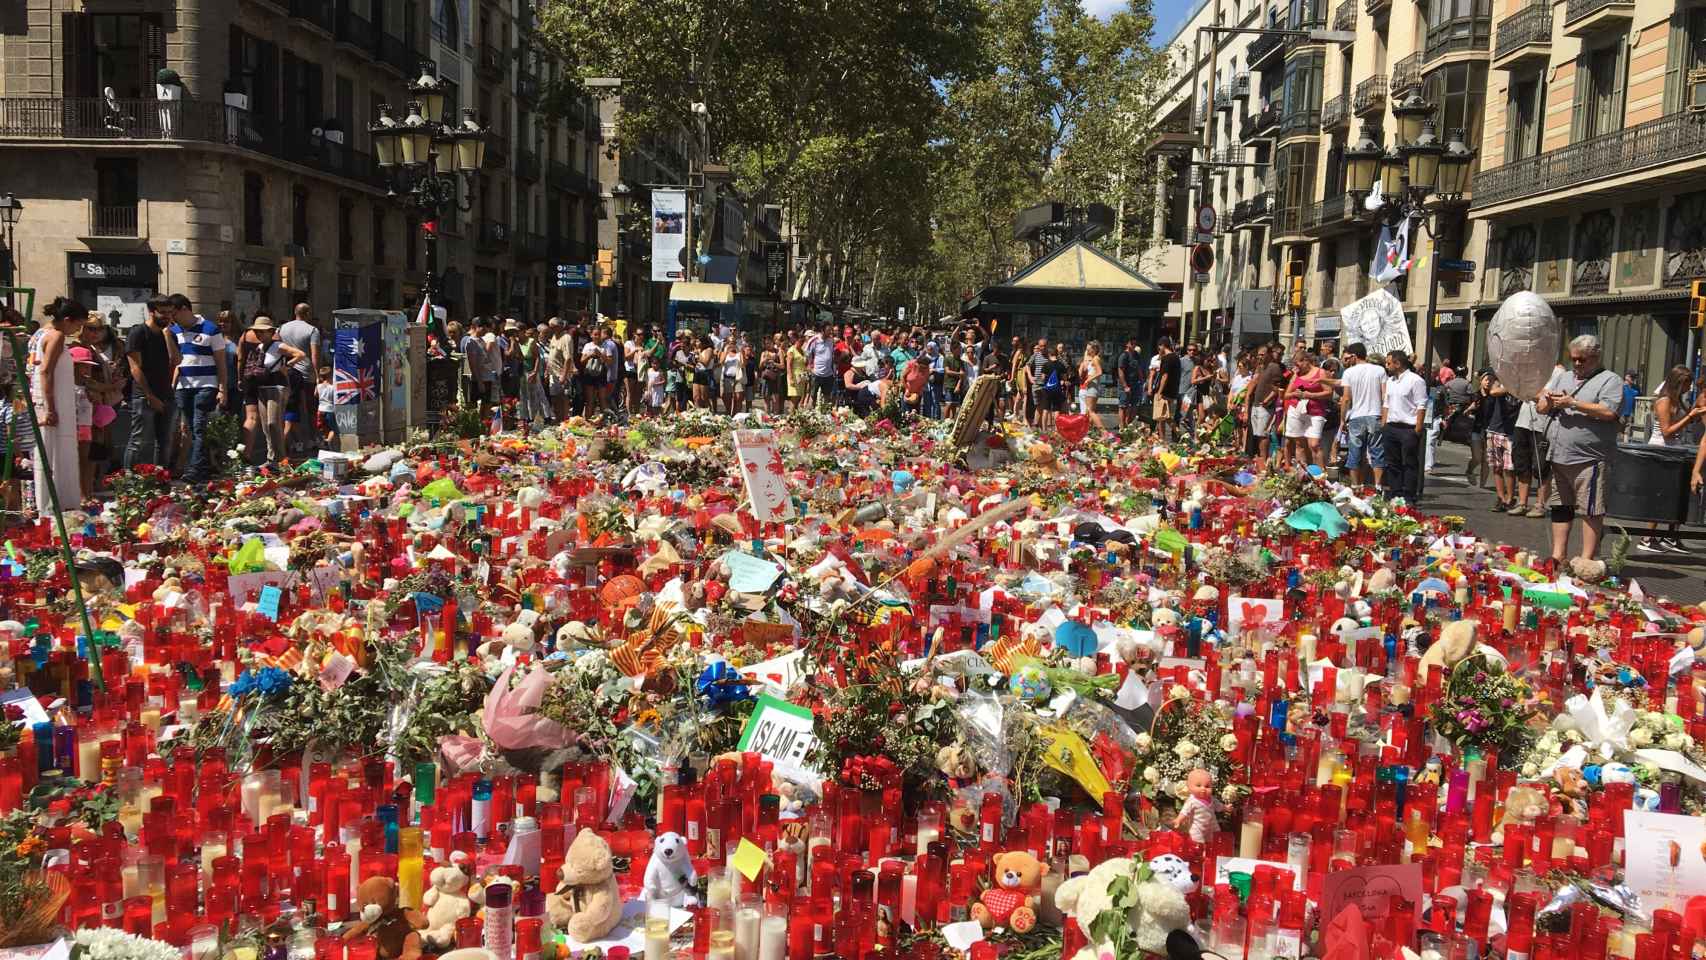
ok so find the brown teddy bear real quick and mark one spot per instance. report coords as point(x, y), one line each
point(1012, 902)
point(396, 930)
point(586, 905)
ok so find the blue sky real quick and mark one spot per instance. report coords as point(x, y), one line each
point(1169, 14)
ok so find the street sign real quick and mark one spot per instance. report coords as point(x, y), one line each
point(775, 266)
point(1457, 266)
point(574, 275)
point(1202, 258)
point(1205, 219)
point(1200, 279)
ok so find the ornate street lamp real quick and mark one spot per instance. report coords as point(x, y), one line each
point(1422, 158)
point(1454, 166)
point(428, 160)
point(1410, 113)
point(1361, 160)
point(11, 208)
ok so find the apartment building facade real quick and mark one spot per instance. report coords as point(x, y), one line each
point(251, 183)
point(1593, 180)
point(1287, 106)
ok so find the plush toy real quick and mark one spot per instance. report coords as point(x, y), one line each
point(586, 905)
point(1154, 904)
point(669, 872)
point(1011, 902)
point(1523, 805)
point(1571, 795)
point(397, 931)
point(1198, 810)
point(447, 901)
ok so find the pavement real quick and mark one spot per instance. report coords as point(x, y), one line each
point(1680, 577)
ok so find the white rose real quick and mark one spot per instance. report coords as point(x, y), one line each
point(1228, 743)
point(1640, 736)
point(1573, 736)
point(1548, 742)
point(1530, 770)
point(1186, 749)
point(1181, 790)
point(1179, 692)
point(1675, 741)
point(1144, 742)
point(1151, 775)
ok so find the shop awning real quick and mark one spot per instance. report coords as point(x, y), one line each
point(690, 292)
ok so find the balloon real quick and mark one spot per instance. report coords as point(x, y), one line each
point(1523, 343)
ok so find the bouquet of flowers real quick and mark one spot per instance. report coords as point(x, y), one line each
point(1187, 734)
point(1483, 705)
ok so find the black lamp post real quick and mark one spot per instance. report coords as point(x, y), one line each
point(11, 208)
point(429, 161)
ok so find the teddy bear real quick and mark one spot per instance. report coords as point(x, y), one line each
point(1155, 906)
point(586, 904)
point(396, 931)
point(1011, 902)
point(1524, 804)
point(447, 901)
point(669, 872)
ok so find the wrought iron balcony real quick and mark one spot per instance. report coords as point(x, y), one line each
point(497, 151)
point(1406, 76)
point(1261, 209)
point(1370, 97)
point(1587, 17)
point(1239, 216)
point(1223, 99)
point(354, 29)
point(113, 220)
point(1241, 83)
point(1331, 215)
point(1457, 35)
point(1264, 46)
point(92, 118)
point(1377, 8)
point(526, 165)
point(561, 176)
point(1229, 154)
point(1524, 37)
point(1335, 113)
point(493, 237)
point(1260, 125)
point(531, 246)
point(319, 13)
point(392, 51)
point(493, 62)
point(526, 85)
point(1345, 15)
point(1669, 139)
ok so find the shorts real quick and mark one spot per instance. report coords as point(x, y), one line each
point(1053, 401)
point(256, 389)
point(1529, 452)
point(1364, 442)
point(1131, 399)
point(1162, 408)
point(1300, 425)
point(1580, 486)
point(1499, 451)
point(1261, 422)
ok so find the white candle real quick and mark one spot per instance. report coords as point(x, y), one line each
point(747, 920)
point(657, 938)
point(773, 938)
point(719, 893)
point(927, 834)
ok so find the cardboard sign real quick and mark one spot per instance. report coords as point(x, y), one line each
point(1253, 611)
point(766, 478)
point(1665, 858)
point(1371, 889)
point(781, 732)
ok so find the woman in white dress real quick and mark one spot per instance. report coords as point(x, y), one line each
point(1089, 378)
point(53, 386)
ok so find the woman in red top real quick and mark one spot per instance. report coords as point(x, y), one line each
point(1306, 412)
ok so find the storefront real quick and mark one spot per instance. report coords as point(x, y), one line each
point(253, 288)
point(1448, 340)
point(1074, 295)
point(117, 285)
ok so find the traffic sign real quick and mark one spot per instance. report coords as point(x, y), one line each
point(1200, 279)
point(1205, 219)
point(1457, 266)
point(1202, 258)
point(574, 275)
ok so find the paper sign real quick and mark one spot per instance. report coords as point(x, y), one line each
point(246, 586)
point(781, 732)
point(1370, 889)
point(1252, 611)
point(26, 701)
point(1665, 858)
point(766, 478)
point(782, 672)
point(337, 669)
point(267, 605)
point(748, 859)
point(962, 935)
point(750, 574)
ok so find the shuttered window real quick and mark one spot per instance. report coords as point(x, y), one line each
point(1686, 53)
point(77, 55)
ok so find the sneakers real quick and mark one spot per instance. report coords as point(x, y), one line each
point(1535, 512)
point(1672, 545)
point(1649, 545)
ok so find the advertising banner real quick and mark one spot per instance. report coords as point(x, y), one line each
point(669, 234)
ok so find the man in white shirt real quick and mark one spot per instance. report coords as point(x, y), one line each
point(820, 360)
point(1406, 405)
point(300, 332)
point(1363, 401)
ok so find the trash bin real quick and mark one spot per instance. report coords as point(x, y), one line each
point(1648, 482)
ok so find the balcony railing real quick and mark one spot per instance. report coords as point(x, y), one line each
point(531, 246)
point(1300, 122)
point(1330, 214)
point(1577, 9)
point(1406, 76)
point(493, 236)
point(320, 13)
point(1375, 8)
point(1370, 97)
point(492, 60)
point(1668, 139)
point(1288, 218)
point(1264, 45)
point(391, 51)
point(526, 165)
point(354, 29)
point(1457, 35)
point(1260, 124)
point(1531, 24)
point(1335, 112)
point(1231, 154)
point(1223, 99)
point(112, 220)
point(1345, 15)
point(1241, 84)
point(92, 118)
point(1261, 208)
point(526, 85)
point(497, 151)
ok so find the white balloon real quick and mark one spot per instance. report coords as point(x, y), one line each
point(1523, 341)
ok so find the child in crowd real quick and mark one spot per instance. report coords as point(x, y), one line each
point(19, 443)
point(326, 408)
point(656, 389)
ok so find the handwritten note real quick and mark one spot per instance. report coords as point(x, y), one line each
point(1372, 890)
point(267, 604)
point(748, 859)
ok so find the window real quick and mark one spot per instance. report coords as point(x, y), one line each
point(378, 236)
point(115, 182)
point(1304, 14)
point(1598, 105)
point(1295, 178)
point(1458, 91)
point(447, 22)
point(254, 71)
point(299, 217)
point(1456, 25)
point(346, 103)
point(384, 293)
point(1525, 113)
point(1335, 182)
point(346, 229)
point(1687, 52)
point(1303, 85)
point(254, 193)
point(346, 291)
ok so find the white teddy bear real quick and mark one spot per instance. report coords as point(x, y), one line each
point(1157, 909)
point(446, 902)
point(669, 872)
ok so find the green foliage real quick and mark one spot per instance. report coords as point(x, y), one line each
point(444, 705)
